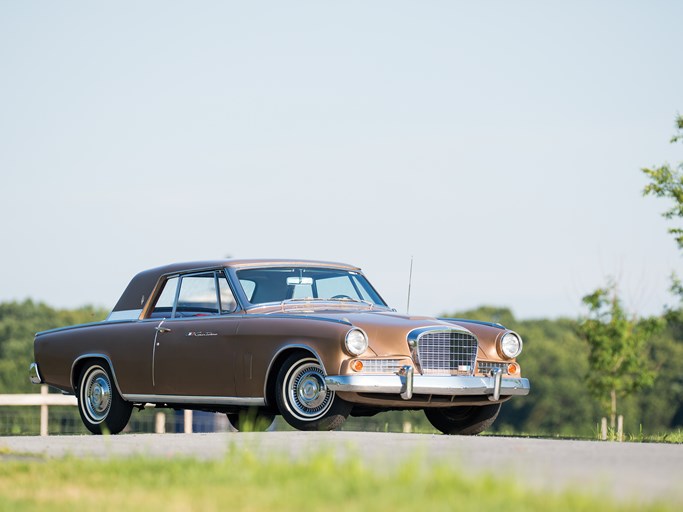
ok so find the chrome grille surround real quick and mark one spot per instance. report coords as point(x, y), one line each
point(381, 365)
point(443, 351)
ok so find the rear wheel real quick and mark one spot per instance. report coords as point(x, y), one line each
point(304, 399)
point(101, 407)
point(464, 420)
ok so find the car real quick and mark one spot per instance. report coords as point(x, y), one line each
point(312, 341)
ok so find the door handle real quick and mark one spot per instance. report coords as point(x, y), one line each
point(163, 329)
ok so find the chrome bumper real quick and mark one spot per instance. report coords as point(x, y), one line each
point(406, 383)
point(34, 374)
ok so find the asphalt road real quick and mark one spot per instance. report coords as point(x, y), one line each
point(627, 471)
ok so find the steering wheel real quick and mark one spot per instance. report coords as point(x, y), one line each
point(341, 296)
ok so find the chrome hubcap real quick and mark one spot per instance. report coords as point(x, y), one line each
point(96, 394)
point(308, 397)
point(311, 389)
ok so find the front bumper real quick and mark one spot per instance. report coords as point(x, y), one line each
point(406, 384)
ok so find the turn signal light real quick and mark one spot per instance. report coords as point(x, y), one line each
point(513, 368)
point(357, 365)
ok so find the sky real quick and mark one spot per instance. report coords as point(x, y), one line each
point(498, 144)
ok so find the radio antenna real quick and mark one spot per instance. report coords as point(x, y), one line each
point(410, 281)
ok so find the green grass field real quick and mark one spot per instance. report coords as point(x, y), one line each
point(241, 481)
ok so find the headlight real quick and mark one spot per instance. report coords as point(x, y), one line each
point(356, 342)
point(511, 345)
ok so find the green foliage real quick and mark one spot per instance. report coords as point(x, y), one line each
point(618, 345)
point(618, 348)
point(19, 321)
point(663, 403)
point(667, 181)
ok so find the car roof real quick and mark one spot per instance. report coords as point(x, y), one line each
point(142, 285)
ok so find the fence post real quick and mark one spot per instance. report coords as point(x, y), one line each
point(188, 421)
point(620, 428)
point(603, 429)
point(43, 413)
point(160, 423)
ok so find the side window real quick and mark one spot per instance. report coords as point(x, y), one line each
point(197, 295)
point(228, 302)
point(164, 306)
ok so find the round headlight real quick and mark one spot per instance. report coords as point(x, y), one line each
point(356, 342)
point(511, 345)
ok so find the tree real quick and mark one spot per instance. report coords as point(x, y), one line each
point(667, 181)
point(619, 360)
point(19, 321)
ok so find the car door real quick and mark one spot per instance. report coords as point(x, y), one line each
point(192, 354)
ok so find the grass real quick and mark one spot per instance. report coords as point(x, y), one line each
point(245, 482)
point(673, 437)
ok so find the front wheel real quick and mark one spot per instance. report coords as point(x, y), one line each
point(304, 399)
point(463, 420)
point(101, 407)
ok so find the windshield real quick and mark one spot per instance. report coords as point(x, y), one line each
point(267, 285)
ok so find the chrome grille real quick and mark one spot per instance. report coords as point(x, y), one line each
point(443, 352)
point(485, 367)
point(381, 365)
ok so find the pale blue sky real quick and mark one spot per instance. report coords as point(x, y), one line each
point(497, 142)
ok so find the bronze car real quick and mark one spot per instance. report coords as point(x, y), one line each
point(312, 341)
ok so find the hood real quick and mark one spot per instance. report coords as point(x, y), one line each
point(384, 328)
point(388, 331)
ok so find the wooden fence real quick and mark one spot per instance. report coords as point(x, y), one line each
point(45, 400)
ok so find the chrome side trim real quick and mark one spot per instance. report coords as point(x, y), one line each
point(128, 314)
point(428, 385)
point(34, 374)
point(94, 356)
point(199, 400)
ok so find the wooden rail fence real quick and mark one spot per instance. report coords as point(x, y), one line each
point(45, 399)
